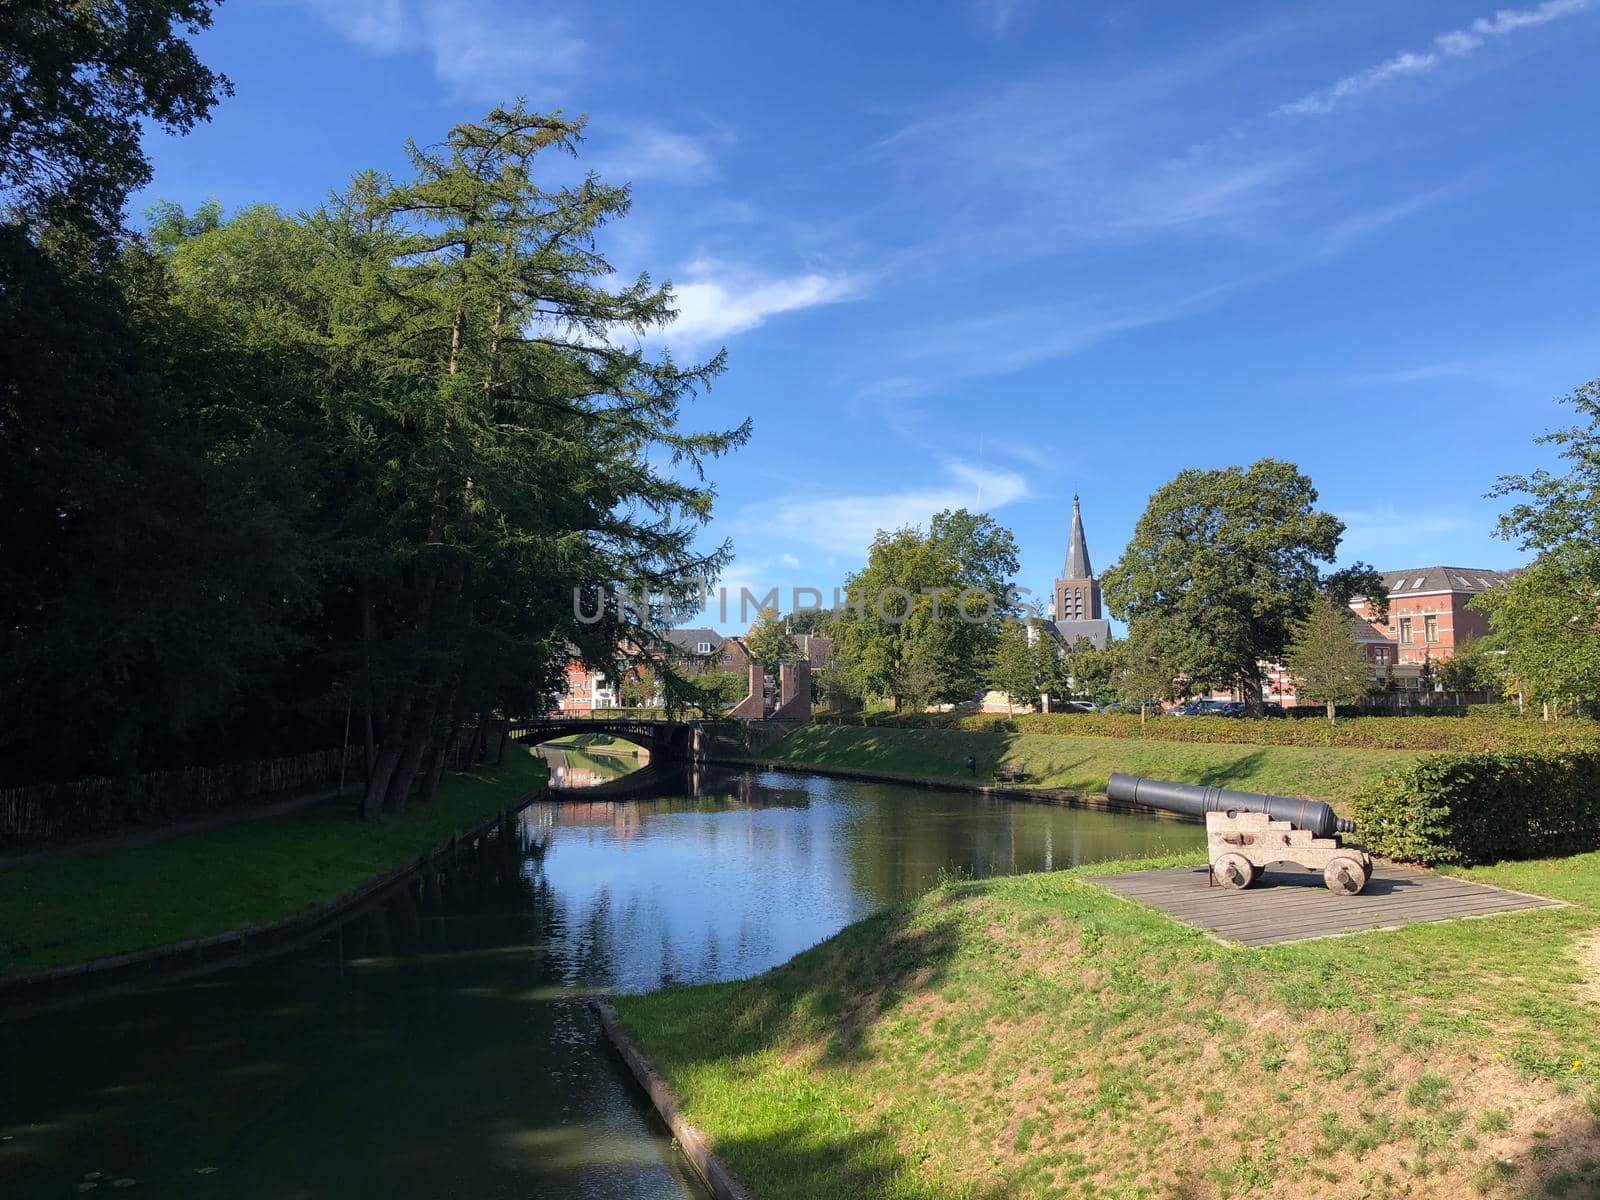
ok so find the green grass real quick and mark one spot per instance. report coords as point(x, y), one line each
point(88, 906)
point(1082, 763)
point(1037, 1036)
point(597, 742)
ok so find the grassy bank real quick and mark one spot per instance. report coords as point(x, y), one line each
point(89, 906)
point(1036, 1036)
point(1475, 734)
point(1083, 763)
point(595, 743)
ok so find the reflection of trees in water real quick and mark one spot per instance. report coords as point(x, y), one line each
point(426, 1047)
point(905, 841)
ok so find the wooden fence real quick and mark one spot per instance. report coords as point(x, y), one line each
point(48, 812)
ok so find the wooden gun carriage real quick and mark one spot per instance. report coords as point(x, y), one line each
point(1246, 831)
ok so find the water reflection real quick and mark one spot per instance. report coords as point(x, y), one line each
point(576, 764)
point(438, 1044)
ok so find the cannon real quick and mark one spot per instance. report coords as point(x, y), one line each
point(1245, 831)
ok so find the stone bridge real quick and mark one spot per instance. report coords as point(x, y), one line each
point(672, 741)
point(751, 722)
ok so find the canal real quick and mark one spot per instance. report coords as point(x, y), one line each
point(439, 1044)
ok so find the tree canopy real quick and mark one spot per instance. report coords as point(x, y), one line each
point(769, 642)
point(77, 82)
point(1222, 565)
point(925, 611)
point(1327, 662)
point(382, 457)
point(1013, 666)
point(1545, 621)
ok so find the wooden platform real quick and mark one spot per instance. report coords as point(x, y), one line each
point(1290, 905)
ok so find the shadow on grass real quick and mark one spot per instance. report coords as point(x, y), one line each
point(1563, 1164)
point(864, 972)
point(813, 1015)
point(1224, 774)
point(796, 1163)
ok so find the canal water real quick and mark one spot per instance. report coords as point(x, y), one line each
point(439, 1044)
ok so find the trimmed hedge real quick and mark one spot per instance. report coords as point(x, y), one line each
point(1372, 733)
point(1476, 808)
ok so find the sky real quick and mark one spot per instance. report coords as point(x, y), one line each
point(990, 253)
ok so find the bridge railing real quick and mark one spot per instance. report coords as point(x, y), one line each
point(603, 714)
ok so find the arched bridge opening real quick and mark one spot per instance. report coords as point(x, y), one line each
point(675, 741)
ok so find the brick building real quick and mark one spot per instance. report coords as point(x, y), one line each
point(707, 650)
point(1278, 686)
point(586, 690)
point(1428, 614)
point(816, 649)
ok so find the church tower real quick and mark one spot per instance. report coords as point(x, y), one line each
point(1077, 595)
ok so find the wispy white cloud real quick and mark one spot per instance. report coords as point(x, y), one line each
point(1532, 371)
point(1370, 532)
point(1095, 156)
point(483, 49)
point(998, 14)
point(643, 150)
point(1036, 454)
point(717, 299)
point(1347, 232)
point(1423, 373)
point(1013, 339)
point(1073, 161)
point(846, 524)
point(1452, 44)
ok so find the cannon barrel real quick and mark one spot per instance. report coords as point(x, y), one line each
point(1196, 800)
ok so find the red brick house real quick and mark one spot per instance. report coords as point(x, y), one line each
point(1428, 614)
point(587, 690)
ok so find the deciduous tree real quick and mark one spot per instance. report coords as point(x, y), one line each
point(926, 609)
point(78, 80)
point(1221, 566)
point(1327, 662)
point(1013, 666)
point(769, 642)
point(1545, 622)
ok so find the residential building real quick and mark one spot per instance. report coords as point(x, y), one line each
point(1075, 610)
point(1278, 685)
point(707, 650)
point(586, 690)
point(1428, 613)
point(816, 649)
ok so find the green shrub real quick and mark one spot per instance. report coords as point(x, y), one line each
point(1493, 712)
point(1485, 734)
point(1477, 808)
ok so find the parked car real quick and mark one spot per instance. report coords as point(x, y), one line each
point(1131, 706)
point(1206, 707)
point(1078, 706)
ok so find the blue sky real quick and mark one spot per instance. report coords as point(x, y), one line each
point(987, 252)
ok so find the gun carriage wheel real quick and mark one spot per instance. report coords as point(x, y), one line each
point(1233, 871)
point(1345, 875)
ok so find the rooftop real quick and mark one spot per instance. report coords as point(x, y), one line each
point(692, 638)
point(1443, 579)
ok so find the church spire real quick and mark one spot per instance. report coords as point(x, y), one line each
point(1077, 549)
point(1077, 594)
